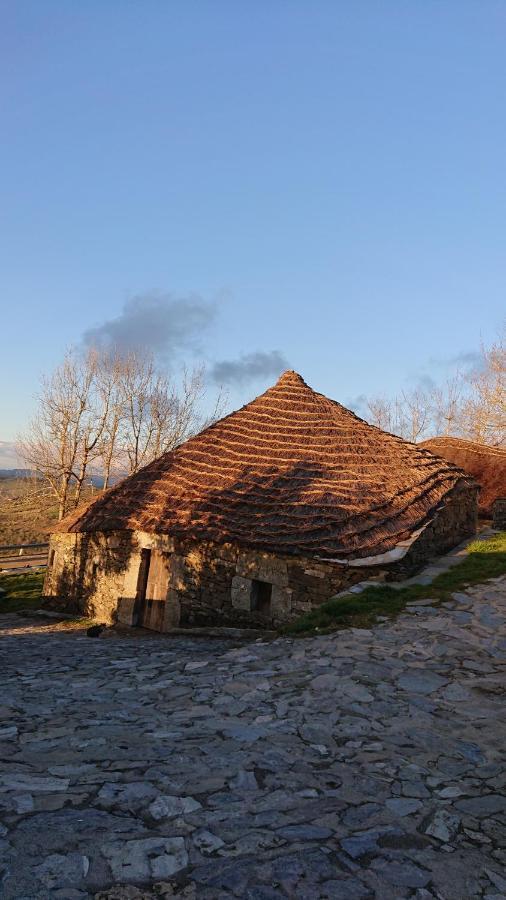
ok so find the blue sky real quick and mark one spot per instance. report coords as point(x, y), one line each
point(326, 180)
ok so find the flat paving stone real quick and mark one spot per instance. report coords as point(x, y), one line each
point(363, 764)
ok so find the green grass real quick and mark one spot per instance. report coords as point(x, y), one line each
point(22, 591)
point(485, 559)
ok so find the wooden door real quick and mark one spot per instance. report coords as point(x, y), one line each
point(152, 591)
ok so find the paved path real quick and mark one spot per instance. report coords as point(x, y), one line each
point(358, 765)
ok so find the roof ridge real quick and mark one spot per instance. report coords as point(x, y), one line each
point(465, 443)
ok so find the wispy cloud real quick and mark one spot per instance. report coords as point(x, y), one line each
point(358, 404)
point(465, 359)
point(249, 367)
point(422, 380)
point(162, 323)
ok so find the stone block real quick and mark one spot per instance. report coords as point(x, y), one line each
point(281, 602)
point(172, 611)
point(499, 513)
point(262, 567)
point(125, 610)
point(240, 593)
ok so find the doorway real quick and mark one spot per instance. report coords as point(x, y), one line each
point(261, 596)
point(151, 591)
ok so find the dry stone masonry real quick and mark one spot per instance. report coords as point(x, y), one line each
point(499, 513)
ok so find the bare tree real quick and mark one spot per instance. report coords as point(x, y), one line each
point(139, 383)
point(471, 406)
point(100, 394)
point(447, 404)
point(407, 415)
point(484, 411)
point(416, 414)
point(110, 391)
point(60, 429)
point(380, 413)
point(104, 412)
point(158, 413)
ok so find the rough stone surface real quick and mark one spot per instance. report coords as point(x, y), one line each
point(363, 764)
point(197, 584)
point(210, 584)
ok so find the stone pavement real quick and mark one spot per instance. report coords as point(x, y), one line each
point(367, 763)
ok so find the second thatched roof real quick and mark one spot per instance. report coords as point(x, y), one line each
point(486, 464)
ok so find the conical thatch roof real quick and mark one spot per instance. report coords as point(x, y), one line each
point(292, 472)
point(486, 464)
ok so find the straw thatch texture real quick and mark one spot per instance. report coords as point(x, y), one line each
point(293, 473)
point(486, 464)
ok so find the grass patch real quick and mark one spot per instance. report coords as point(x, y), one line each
point(21, 591)
point(485, 559)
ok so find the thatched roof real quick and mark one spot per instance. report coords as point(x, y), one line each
point(486, 464)
point(292, 472)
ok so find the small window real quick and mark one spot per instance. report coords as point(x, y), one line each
point(261, 594)
point(51, 558)
point(94, 569)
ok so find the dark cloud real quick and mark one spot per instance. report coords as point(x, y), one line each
point(161, 323)
point(249, 367)
point(358, 404)
point(423, 381)
point(170, 326)
point(468, 358)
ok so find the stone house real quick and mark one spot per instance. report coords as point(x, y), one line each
point(262, 516)
point(486, 464)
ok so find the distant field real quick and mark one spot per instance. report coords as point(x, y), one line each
point(27, 511)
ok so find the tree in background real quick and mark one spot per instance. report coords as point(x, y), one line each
point(484, 409)
point(407, 415)
point(471, 405)
point(105, 414)
point(62, 426)
point(446, 405)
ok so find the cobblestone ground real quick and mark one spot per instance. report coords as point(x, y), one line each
point(358, 765)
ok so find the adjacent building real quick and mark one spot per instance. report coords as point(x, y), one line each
point(487, 465)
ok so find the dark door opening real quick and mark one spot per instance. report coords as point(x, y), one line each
point(261, 595)
point(142, 584)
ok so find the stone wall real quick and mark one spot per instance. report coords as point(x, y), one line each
point(204, 584)
point(212, 584)
point(453, 523)
point(499, 513)
point(87, 571)
point(96, 573)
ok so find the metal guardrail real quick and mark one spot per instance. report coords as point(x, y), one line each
point(9, 547)
point(22, 557)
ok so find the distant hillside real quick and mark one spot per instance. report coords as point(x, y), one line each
point(28, 510)
point(18, 473)
point(96, 480)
